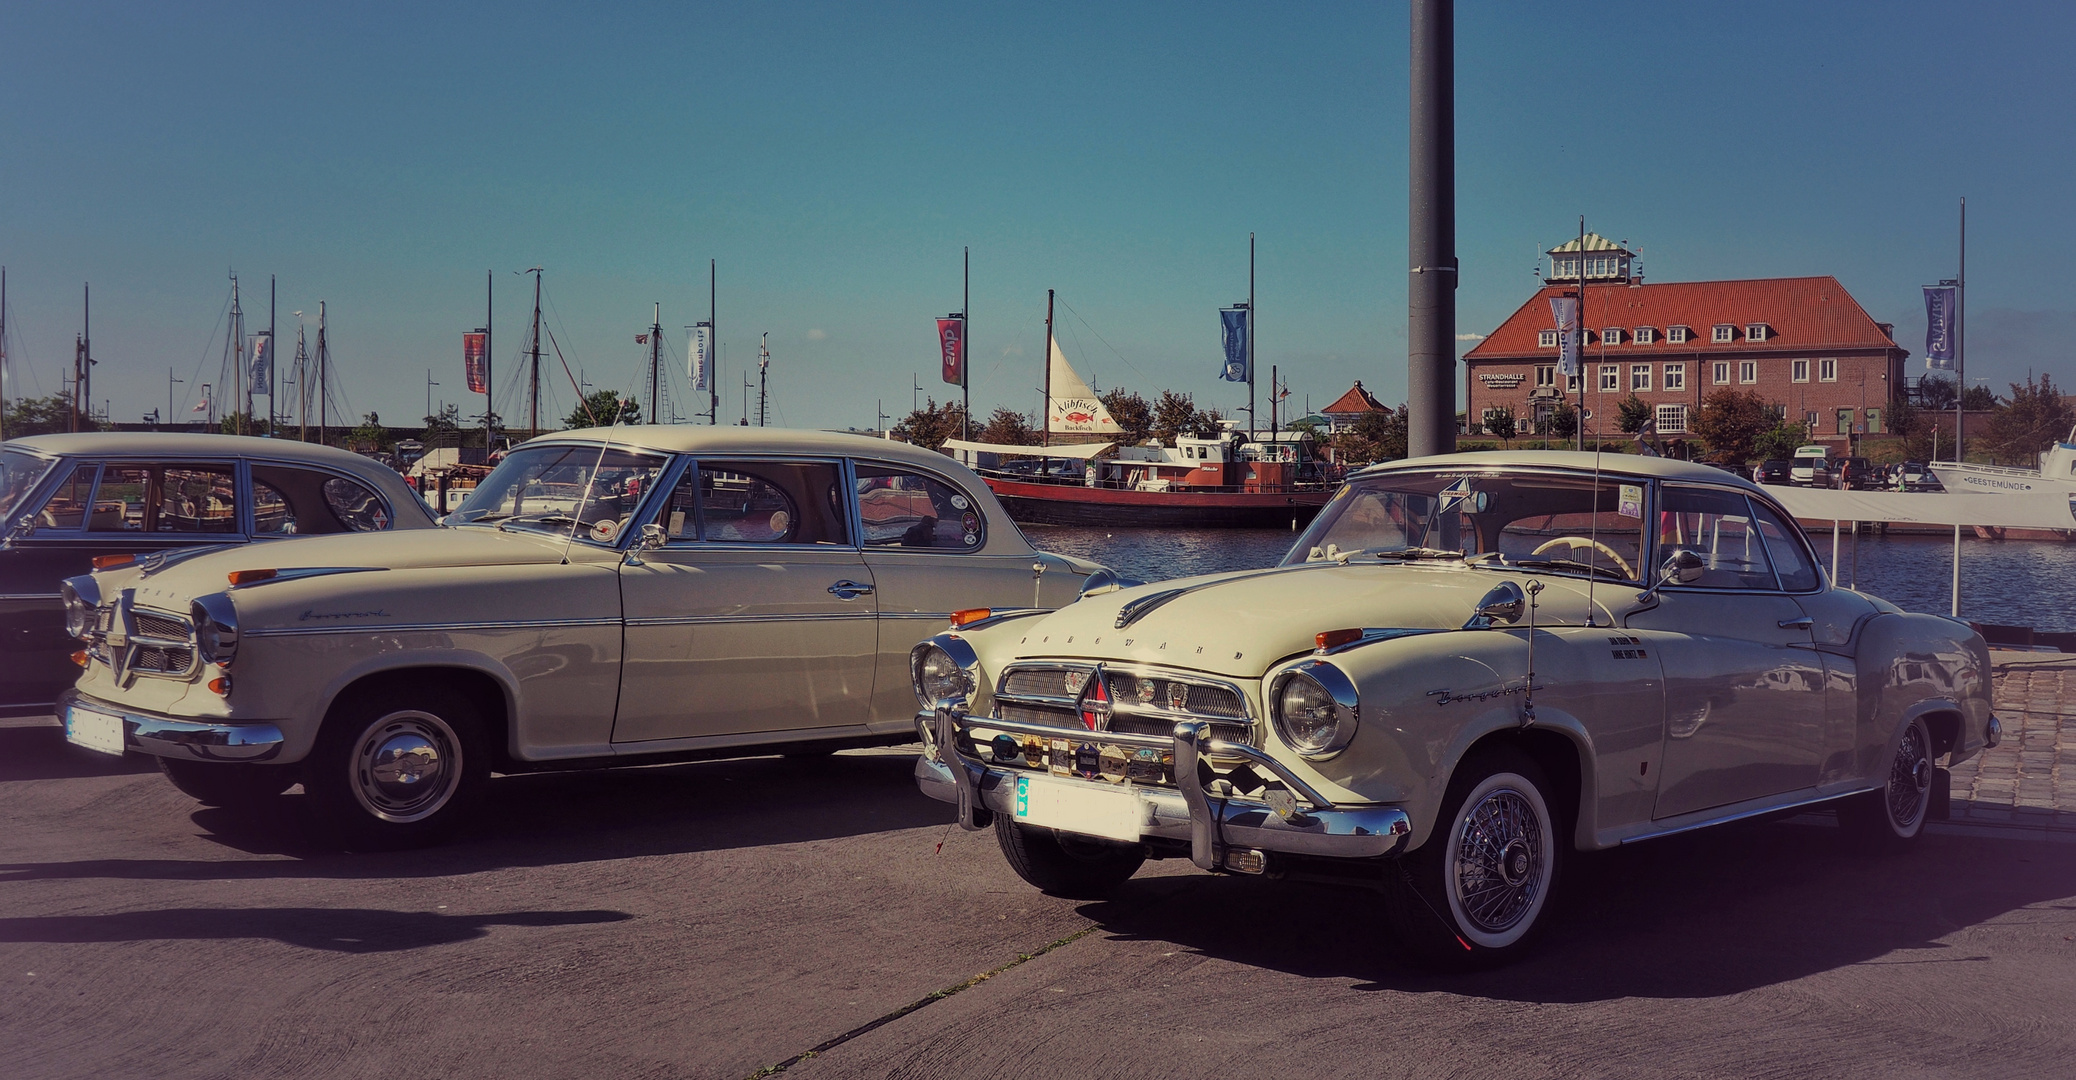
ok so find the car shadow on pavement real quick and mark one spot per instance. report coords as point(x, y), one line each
point(546, 819)
point(1694, 916)
point(41, 753)
point(349, 930)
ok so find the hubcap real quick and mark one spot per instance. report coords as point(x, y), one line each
point(1499, 861)
point(406, 766)
point(1910, 779)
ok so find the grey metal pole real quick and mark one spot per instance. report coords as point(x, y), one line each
point(1431, 340)
point(1960, 350)
point(966, 346)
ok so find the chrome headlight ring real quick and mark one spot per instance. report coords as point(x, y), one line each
point(216, 628)
point(1315, 709)
point(81, 597)
point(945, 672)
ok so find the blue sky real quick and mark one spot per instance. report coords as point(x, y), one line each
point(836, 157)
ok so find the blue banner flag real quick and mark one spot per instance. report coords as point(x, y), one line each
point(1939, 327)
point(1565, 310)
point(1239, 366)
point(262, 363)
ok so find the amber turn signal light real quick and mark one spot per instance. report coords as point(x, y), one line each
point(111, 562)
point(221, 684)
point(248, 577)
point(80, 658)
point(1333, 639)
point(970, 616)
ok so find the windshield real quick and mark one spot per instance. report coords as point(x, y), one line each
point(1543, 521)
point(559, 488)
point(19, 474)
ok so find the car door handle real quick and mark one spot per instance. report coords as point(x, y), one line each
point(849, 590)
point(1803, 623)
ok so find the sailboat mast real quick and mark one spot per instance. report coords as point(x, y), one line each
point(237, 342)
point(302, 384)
point(713, 344)
point(489, 354)
point(966, 348)
point(273, 388)
point(324, 390)
point(83, 385)
point(3, 353)
point(1252, 315)
point(655, 363)
point(763, 369)
point(1045, 416)
point(533, 392)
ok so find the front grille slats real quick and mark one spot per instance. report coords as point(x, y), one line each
point(164, 627)
point(1142, 700)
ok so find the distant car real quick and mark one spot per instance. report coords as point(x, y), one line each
point(1772, 471)
point(1915, 476)
point(1811, 467)
point(1735, 468)
point(68, 501)
point(621, 595)
point(1856, 474)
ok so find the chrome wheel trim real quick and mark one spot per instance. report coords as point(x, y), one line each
point(1498, 864)
point(406, 766)
point(1909, 790)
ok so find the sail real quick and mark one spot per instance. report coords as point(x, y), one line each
point(1075, 408)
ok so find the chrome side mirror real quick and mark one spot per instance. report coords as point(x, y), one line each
point(1504, 603)
point(652, 537)
point(1682, 567)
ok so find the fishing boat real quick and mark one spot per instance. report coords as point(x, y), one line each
point(2057, 472)
point(1227, 481)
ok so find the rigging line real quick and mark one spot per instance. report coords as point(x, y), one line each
point(1101, 338)
point(582, 401)
point(194, 377)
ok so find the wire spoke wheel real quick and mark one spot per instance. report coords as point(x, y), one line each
point(1910, 779)
point(1498, 861)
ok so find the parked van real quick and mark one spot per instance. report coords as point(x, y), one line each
point(1812, 467)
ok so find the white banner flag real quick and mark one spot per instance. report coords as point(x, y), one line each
point(262, 365)
point(699, 357)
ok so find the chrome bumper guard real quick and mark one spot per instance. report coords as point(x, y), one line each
point(194, 740)
point(1214, 825)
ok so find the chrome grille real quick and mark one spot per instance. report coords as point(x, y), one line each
point(154, 659)
point(1147, 701)
point(164, 627)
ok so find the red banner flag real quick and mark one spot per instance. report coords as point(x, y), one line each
point(951, 335)
point(475, 354)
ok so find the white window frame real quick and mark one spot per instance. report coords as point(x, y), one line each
point(1546, 375)
point(1724, 332)
point(1571, 383)
point(1546, 339)
point(1639, 378)
point(1672, 419)
point(1676, 335)
point(1612, 335)
point(1610, 378)
point(1810, 419)
point(1721, 373)
point(1827, 369)
point(1675, 376)
point(1798, 370)
point(1643, 335)
point(1747, 372)
point(1757, 331)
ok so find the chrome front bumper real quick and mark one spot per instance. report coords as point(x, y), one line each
point(1214, 826)
point(195, 740)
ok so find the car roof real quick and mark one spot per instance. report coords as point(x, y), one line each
point(727, 439)
point(1573, 460)
point(185, 444)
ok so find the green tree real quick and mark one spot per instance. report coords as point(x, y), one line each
point(238, 423)
point(1009, 429)
point(1375, 436)
point(443, 428)
point(1633, 413)
point(1500, 423)
point(1730, 422)
point(603, 408)
point(1979, 399)
point(1562, 423)
point(1936, 392)
point(2035, 416)
point(930, 425)
point(40, 416)
point(1779, 441)
point(1133, 415)
point(370, 435)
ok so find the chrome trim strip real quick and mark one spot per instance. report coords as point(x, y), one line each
point(4, 597)
point(1740, 815)
point(1124, 706)
point(729, 620)
point(295, 572)
point(194, 740)
point(398, 628)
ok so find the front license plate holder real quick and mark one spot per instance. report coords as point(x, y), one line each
point(94, 730)
point(1113, 813)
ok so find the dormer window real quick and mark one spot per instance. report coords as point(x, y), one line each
point(1612, 335)
point(1755, 331)
point(1644, 335)
point(1676, 335)
point(1724, 332)
point(1547, 339)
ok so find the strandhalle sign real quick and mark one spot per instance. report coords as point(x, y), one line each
point(1502, 380)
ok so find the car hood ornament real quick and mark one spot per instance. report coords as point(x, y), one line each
point(1093, 703)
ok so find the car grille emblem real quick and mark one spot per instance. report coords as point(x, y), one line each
point(1093, 703)
point(1178, 696)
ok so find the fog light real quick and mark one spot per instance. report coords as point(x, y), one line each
point(80, 658)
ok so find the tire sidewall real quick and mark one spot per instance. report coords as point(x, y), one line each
point(1902, 831)
point(332, 776)
point(1524, 780)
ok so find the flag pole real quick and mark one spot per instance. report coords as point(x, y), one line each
point(1578, 356)
point(966, 348)
point(1960, 345)
point(1250, 338)
point(489, 384)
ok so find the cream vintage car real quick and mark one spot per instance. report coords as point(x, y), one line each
point(607, 595)
point(1468, 667)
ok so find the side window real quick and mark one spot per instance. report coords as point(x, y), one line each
point(198, 500)
point(905, 509)
point(360, 509)
point(67, 507)
point(680, 517)
point(271, 513)
point(1718, 526)
point(1790, 556)
point(770, 503)
point(124, 500)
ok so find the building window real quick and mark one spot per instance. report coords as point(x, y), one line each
point(1845, 421)
point(1485, 418)
point(1611, 377)
point(1546, 375)
point(1755, 331)
point(1747, 371)
point(1725, 332)
point(1827, 369)
point(1612, 335)
point(1676, 335)
point(1547, 339)
point(1874, 421)
point(1571, 383)
point(1809, 420)
point(1675, 376)
point(1639, 377)
point(1722, 372)
point(1644, 335)
point(1799, 370)
point(1672, 419)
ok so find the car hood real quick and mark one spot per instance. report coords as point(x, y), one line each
point(1244, 623)
point(205, 570)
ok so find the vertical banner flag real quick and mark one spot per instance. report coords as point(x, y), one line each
point(263, 364)
point(1565, 309)
point(1939, 317)
point(697, 357)
point(475, 354)
point(951, 340)
point(1239, 367)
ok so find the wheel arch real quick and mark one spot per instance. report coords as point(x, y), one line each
point(1557, 744)
point(486, 689)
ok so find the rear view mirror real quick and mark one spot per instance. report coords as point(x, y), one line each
point(1505, 602)
point(1682, 567)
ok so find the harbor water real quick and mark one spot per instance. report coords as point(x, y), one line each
point(2008, 582)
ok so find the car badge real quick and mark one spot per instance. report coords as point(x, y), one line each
point(1088, 761)
point(1146, 690)
point(1094, 701)
point(1178, 696)
point(1074, 680)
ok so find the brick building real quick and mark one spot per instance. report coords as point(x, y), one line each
point(1803, 344)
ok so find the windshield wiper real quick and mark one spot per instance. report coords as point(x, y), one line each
point(1570, 564)
point(1400, 553)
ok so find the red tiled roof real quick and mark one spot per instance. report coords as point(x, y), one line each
point(1356, 400)
point(1806, 314)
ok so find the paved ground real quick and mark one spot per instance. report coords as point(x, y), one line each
point(720, 919)
point(2030, 780)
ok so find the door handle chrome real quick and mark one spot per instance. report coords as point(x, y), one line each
point(1803, 623)
point(849, 590)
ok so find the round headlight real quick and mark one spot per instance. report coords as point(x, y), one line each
point(1315, 710)
point(216, 628)
point(78, 613)
point(939, 681)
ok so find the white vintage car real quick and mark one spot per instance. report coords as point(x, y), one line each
point(613, 595)
point(1466, 668)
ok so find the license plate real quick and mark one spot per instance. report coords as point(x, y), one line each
point(94, 730)
point(1111, 813)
